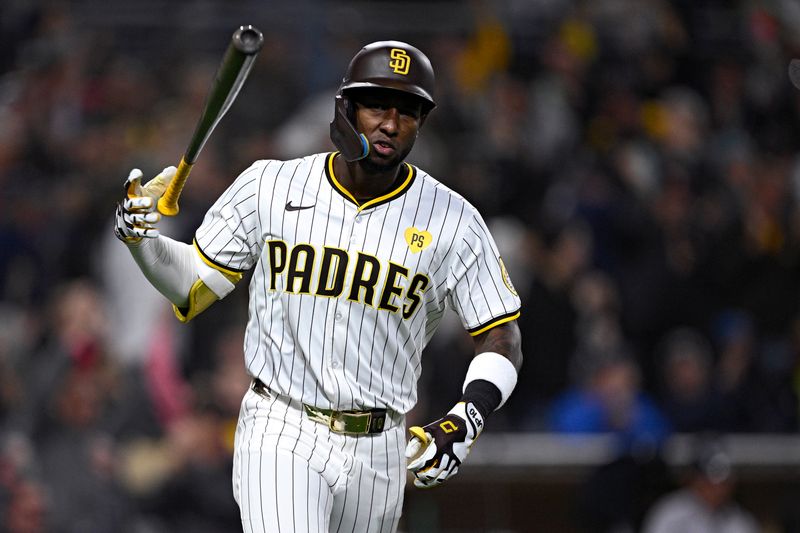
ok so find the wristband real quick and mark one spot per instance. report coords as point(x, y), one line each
point(496, 369)
point(485, 396)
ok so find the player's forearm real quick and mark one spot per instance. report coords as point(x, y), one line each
point(168, 265)
point(492, 375)
point(438, 449)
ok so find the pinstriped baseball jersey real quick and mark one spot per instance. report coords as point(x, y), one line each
point(344, 297)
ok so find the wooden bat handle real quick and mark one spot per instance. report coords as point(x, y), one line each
point(168, 203)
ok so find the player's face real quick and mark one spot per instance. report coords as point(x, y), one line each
point(390, 120)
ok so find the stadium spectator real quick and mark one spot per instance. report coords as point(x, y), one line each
point(706, 501)
point(689, 393)
point(608, 398)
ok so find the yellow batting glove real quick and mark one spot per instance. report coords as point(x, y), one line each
point(136, 216)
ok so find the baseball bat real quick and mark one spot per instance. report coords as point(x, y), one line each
point(228, 81)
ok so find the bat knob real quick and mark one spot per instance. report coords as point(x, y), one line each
point(248, 39)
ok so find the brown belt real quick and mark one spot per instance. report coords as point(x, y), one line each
point(349, 422)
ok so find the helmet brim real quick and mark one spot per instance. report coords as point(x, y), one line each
point(391, 85)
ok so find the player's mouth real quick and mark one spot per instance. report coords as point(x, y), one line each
point(384, 148)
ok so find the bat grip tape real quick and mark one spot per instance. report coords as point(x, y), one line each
point(168, 203)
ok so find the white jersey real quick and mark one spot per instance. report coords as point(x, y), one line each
point(344, 297)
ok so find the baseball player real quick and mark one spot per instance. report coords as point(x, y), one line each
point(356, 255)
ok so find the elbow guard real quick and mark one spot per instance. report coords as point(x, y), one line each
point(211, 285)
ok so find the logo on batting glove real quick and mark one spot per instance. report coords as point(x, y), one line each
point(437, 450)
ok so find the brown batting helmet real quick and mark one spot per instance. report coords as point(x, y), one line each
point(384, 64)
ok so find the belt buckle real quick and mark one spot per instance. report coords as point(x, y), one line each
point(317, 415)
point(339, 421)
point(342, 422)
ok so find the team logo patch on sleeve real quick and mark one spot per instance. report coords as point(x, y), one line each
point(506, 277)
point(417, 239)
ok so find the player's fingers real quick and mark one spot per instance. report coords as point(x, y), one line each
point(436, 470)
point(133, 182)
point(169, 172)
point(424, 477)
point(145, 232)
point(420, 434)
point(133, 176)
point(140, 224)
point(434, 476)
point(156, 186)
point(425, 459)
point(446, 472)
point(413, 447)
point(423, 483)
point(141, 219)
point(431, 469)
point(138, 203)
point(420, 484)
point(418, 444)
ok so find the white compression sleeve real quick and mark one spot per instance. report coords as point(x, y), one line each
point(168, 265)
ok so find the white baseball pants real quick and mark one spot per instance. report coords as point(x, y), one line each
point(292, 474)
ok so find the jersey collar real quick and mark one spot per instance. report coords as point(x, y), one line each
point(388, 197)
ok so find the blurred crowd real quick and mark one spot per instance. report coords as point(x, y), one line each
point(636, 160)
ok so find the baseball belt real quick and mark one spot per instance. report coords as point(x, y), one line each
point(349, 422)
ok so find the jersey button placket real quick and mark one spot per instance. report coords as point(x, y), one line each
point(340, 304)
point(339, 328)
point(355, 233)
point(339, 337)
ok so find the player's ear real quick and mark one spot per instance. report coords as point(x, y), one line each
point(422, 118)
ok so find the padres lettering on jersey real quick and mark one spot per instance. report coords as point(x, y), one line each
point(344, 297)
point(302, 270)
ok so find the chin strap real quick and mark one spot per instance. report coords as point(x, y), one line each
point(351, 144)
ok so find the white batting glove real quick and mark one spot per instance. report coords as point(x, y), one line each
point(136, 215)
point(437, 450)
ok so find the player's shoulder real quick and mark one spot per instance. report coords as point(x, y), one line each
point(456, 199)
point(275, 166)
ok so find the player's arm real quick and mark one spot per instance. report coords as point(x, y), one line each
point(490, 379)
point(437, 450)
point(505, 340)
point(173, 268)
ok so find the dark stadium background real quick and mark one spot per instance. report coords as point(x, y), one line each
point(637, 161)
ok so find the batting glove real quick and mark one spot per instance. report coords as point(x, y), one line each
point(136, 215)
point(437, 450)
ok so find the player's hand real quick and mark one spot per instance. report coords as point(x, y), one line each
point(437, 450)
point(136, 215)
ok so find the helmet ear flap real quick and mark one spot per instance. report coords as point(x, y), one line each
point(351, 144)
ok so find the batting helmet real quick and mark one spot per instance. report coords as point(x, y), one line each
point(384, 64)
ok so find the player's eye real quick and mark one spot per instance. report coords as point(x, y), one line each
point(374, 105)
point(409, 112)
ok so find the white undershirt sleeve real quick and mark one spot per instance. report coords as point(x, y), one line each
point(169, 266)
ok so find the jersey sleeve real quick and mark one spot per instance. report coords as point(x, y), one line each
point(480, 289)
point(227, 239)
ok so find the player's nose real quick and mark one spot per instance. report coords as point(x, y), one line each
point(390, 120)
